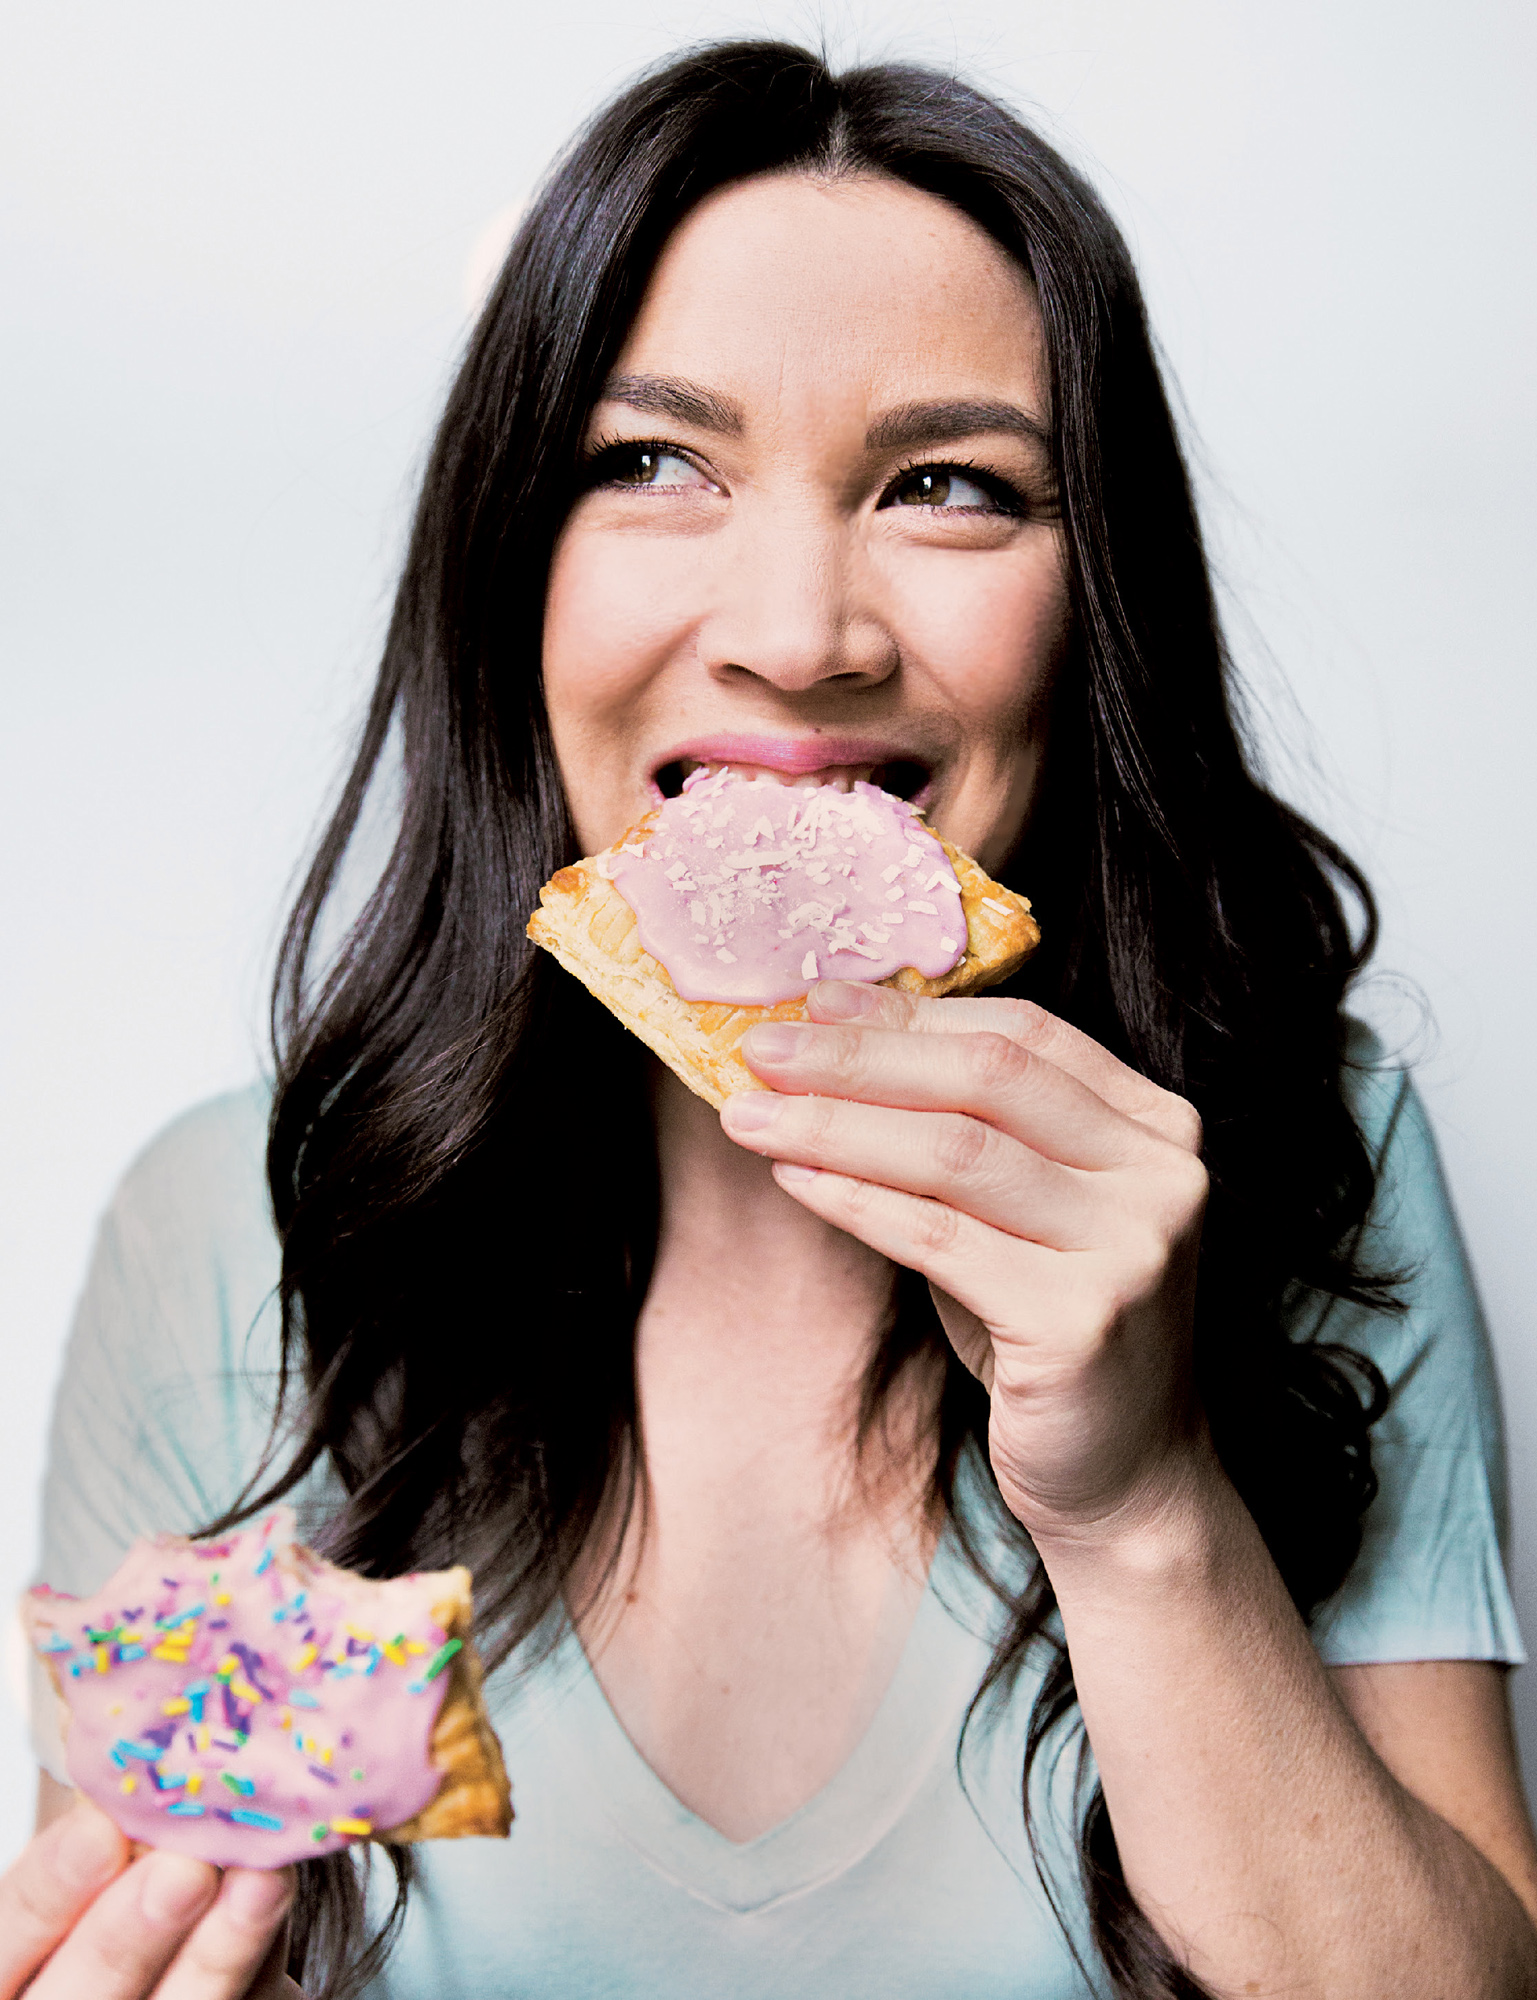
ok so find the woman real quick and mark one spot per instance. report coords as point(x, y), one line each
point(899, 1506)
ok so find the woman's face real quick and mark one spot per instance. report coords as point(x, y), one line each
point(820, 534)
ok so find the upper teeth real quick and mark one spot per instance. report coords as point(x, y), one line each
point(843, 776)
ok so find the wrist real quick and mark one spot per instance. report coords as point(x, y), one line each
point(1180, 1526)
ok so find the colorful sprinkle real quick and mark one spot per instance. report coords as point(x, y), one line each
point(285, 1660)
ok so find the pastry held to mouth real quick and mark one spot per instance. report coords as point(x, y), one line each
point(725, 904)
point(749, 890)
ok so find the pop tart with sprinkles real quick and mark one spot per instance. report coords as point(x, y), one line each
point(249, 1704)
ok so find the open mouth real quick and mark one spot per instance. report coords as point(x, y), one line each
point(903, 777)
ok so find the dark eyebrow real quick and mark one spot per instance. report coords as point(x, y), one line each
point(914, 425)
point(670, 396)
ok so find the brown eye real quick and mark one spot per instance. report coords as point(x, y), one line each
point(925, 489)
point(949, 487)
point(647, 465)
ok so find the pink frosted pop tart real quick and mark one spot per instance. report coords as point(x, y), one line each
point(247, 1703)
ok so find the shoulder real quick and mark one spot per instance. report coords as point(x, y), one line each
point(203, 1161)
point(1428, 1583)
point(196, 1198)
point(183, 1280)
point(1411, 1234)
point(1377, 1088)
point(166, 1396)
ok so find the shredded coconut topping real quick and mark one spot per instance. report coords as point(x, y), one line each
point(720, 883)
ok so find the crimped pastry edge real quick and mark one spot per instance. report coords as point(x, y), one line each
point(474, 1797)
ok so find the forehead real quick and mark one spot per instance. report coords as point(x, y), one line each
point(861, 290)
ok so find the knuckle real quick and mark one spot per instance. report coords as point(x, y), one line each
point(31, 1903)
point(858, 1197)
point(843, 1052)
point(1143, 1260)
point(935, 1227)
point(1183, 1123)
point(1188, 1185)
point(959, 1146)
point(995, 1062)
point(1027, 1018)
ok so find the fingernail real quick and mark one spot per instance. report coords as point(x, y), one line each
point(256, 1898)
point(175, 1890)
point(751, 1110)
point(90, 1849)
point(786, 1170)
point(844, 999)
point(776, 1041)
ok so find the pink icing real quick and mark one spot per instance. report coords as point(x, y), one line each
point(236, 1700)
point(748, 891)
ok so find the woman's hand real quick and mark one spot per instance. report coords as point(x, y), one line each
point(103, 1928)
point(1053, 1199)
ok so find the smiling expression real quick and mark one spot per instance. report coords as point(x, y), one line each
point(818, 531)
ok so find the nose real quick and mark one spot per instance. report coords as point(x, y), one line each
point(791, 610)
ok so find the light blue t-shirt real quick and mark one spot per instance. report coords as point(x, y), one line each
point(908, 1876)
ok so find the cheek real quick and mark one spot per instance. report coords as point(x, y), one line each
point(987, 629)
point(611, 618)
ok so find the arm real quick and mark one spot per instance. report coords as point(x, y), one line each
point(1264, 1832)
point(1054, 1200)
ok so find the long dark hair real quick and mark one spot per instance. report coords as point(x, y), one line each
point(463, 1263)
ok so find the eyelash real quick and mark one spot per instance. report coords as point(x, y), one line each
point(607, 453)
point(1004, 494)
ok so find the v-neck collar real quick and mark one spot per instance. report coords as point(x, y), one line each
point(916, 1722)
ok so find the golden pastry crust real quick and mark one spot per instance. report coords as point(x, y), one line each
point(585, 923)
point(474, 1797)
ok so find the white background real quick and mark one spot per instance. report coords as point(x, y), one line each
point(236, 249)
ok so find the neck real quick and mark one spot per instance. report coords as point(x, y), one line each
point(760, 1323)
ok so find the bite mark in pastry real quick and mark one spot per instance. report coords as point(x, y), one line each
point(247, 1703)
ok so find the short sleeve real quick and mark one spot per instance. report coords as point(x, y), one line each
point(165, 1399)
point(1429, 1582)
